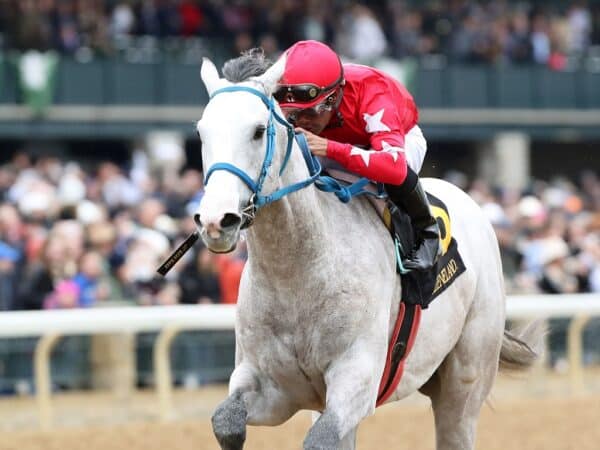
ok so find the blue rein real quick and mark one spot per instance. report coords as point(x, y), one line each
point(324, 183)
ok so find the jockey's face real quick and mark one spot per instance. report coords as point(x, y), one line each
point(311, 120)
point(315, 118)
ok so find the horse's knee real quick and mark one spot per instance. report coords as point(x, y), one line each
point(324, 434)
point(229, 423)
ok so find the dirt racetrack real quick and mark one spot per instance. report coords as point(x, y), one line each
point(521, 415)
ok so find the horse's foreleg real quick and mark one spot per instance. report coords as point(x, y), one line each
point(351, 391)
point(252, 400)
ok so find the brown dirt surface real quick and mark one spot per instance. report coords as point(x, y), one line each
point(522, 414)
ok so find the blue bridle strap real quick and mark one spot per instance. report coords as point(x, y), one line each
point(324, 183)
point(328, 184)
point(231, 168)
point(256, 187)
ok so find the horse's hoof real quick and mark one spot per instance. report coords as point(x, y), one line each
point(229, 423)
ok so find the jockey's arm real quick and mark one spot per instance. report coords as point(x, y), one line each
point(386, 161)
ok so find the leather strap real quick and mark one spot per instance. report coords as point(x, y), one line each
point(401, 344)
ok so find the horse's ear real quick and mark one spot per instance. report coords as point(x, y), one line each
point(271, 77)
point(210, 76)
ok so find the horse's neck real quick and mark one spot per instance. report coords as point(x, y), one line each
point(292, 229)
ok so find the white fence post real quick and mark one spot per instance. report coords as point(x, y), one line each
point(43, 380)
point(162, 371)
point(575, 352)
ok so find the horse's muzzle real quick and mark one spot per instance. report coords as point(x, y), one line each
point(220, 236)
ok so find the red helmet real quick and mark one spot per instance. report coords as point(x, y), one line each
point(312, 72)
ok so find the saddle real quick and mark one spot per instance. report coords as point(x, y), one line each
point(422, 287)
point(418, 287)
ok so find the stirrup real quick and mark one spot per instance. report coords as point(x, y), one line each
point(399, 265)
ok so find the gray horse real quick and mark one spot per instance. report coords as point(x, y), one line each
point(319, 294)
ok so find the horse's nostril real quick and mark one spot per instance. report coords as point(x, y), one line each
point(230, 220)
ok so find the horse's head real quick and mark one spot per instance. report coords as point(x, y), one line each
point(239, 152)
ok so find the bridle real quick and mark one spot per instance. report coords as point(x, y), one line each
point(258, 200)
point(322, 182)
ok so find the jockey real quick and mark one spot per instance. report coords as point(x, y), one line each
point(366, 121)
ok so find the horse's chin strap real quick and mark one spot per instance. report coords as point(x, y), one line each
point(324, 183)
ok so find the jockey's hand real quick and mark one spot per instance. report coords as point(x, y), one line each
point(316, 144)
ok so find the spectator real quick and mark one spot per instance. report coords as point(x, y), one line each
point(268, 42)
point(9, 258)
point(368, 41)
point(191, 17)
point(12, 234)
point(39, 277)
point(471, 41)
point(230, 268)
point(149, 211)
point(199, 280)
point(64, 296)
point(29, 26)
point(518, 45)
point(407, 34)
point(540, 41)
point(115, 188)
point(90, 280)
point(580, 27)
point(66, 27)
point(555, 277)
point(122, 20)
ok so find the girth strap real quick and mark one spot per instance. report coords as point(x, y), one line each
point(403, 337)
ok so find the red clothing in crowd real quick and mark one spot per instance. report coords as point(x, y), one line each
point(230, 272)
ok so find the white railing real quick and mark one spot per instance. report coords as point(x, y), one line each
point(167, 320)
point(171, 320)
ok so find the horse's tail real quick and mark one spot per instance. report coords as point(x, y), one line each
point(521, 348)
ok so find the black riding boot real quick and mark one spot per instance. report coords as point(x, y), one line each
point(427, 234)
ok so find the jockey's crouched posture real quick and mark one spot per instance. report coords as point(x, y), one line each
point(366, 121)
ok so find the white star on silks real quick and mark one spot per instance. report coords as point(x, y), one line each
point(364, 154)
point(393, 151)
point(374, 122)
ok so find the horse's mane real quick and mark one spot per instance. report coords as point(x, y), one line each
point(250, 63)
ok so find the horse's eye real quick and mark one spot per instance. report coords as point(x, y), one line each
point(259, 132)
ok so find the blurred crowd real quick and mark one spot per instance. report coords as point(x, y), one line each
point(472, 31)
point(549, 234)
point(75, 236)
point(71, 237)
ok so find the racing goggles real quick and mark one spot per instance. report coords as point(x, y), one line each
point(331, 102)
point(303, 93)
